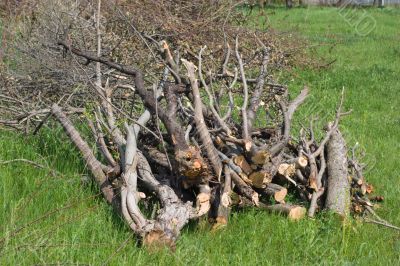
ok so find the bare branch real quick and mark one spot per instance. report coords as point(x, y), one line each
point(200, 123)
point(245, 129)
point(220, 121)
point(94, 165)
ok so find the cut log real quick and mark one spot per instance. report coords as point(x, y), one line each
point(338, 194)
point(203, 204)
point(173, 215)
point(196, 153)
point(301, 162)
point(277, 192)
point(260, 157)
point(260, 179)
point(287, 170)
point(293, 212)
point(224, 200)
point(243, 164)
point(192, 166)
point(244, 189)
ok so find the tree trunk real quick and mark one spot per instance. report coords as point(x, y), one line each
point(338, 195)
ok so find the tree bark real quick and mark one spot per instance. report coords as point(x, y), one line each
point(94, 165)
point(293, 212)
point(276, 191)
point(338, 194)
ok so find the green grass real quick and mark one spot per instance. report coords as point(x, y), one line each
point(87, 232)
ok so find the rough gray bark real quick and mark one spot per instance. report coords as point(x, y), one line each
point(338, 194)
point(173, 215)
point(204, 134)
point(94, 165)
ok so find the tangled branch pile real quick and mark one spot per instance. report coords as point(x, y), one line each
point(178, 104)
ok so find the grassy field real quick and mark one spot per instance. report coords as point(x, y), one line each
point(50, 218)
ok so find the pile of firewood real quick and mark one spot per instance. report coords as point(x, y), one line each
point(210, 131)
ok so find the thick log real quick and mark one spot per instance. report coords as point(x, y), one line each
point(173, 215)
point(338, 194)
point(287, 169)
point(260, 179)
point(260, 157)
point(243, 189)
point(222, 200)
point(243, 164)
point(277, 192)
point(157, 156)
point(301, 162)
point(293, 212)
point(203, 199)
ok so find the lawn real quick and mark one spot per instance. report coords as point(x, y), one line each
point(56, 217)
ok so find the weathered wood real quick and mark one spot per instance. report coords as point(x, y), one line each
point(173, 215)
point(277, 192)
point(94, 165)
point(244, 189)
point(203, 204)
point(301, 162)
point(320, 189)
point(202, 130)
point(255, 99)
point(260, 179)
point(199, 157)
point(287, 171)
point(288, 116)
point(293, 212)
point(338, 191)
point(240, 161)
point(223, 199)
point(245, 128)
point(190, 162)
point(211, 97)
point(260, 157)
